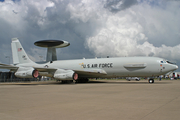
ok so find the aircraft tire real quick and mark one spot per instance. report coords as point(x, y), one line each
point(66, 81)
point(82, 80)
point(151, 80)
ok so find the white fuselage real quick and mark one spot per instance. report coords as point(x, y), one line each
point(115, 67)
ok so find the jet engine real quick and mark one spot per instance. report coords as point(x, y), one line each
point(26, 73)
point(65, 75)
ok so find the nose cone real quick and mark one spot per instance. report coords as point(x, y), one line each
point(170, 67)
point(174, 67)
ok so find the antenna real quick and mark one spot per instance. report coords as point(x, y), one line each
point(51, 46)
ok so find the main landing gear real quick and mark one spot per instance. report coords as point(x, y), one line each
point(81, 80)
point(67, 81)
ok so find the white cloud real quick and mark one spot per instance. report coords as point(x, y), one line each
point(139, 30)
point(107, 27)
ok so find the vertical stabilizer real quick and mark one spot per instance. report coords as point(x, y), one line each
point(18, 53)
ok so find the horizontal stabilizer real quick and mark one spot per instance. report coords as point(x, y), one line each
point(6, 66)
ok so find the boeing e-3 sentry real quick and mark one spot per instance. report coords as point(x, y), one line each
point(82, 69)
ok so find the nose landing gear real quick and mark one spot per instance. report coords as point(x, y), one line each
point(151, 80)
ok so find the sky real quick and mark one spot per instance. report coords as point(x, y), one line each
point(94, 28)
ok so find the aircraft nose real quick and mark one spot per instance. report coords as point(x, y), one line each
point(176, 67)
point(172, 67)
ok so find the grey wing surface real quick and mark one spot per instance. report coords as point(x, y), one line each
point(91, 73)
point(81, 73)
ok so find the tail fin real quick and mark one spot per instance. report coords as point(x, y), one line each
point(18, 53)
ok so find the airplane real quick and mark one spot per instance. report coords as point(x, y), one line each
point(80, 70)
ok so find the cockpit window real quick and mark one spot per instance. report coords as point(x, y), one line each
point(166, 61)
point(171, 62)
point(163, 61)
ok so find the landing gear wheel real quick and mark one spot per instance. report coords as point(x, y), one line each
point(82, 80)
point(67, 81)
point(151, 80)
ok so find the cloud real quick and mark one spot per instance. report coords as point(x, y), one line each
point(139, 30)
point(118, 5)
point(94, 28)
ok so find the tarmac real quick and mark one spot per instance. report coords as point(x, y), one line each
point(96, 100)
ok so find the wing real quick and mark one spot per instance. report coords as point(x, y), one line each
point(81, 73)
point(91, 72)
point(50, 71)
point(42, 69)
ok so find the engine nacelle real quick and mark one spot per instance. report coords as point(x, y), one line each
point(65, 75)
point(26, 73)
